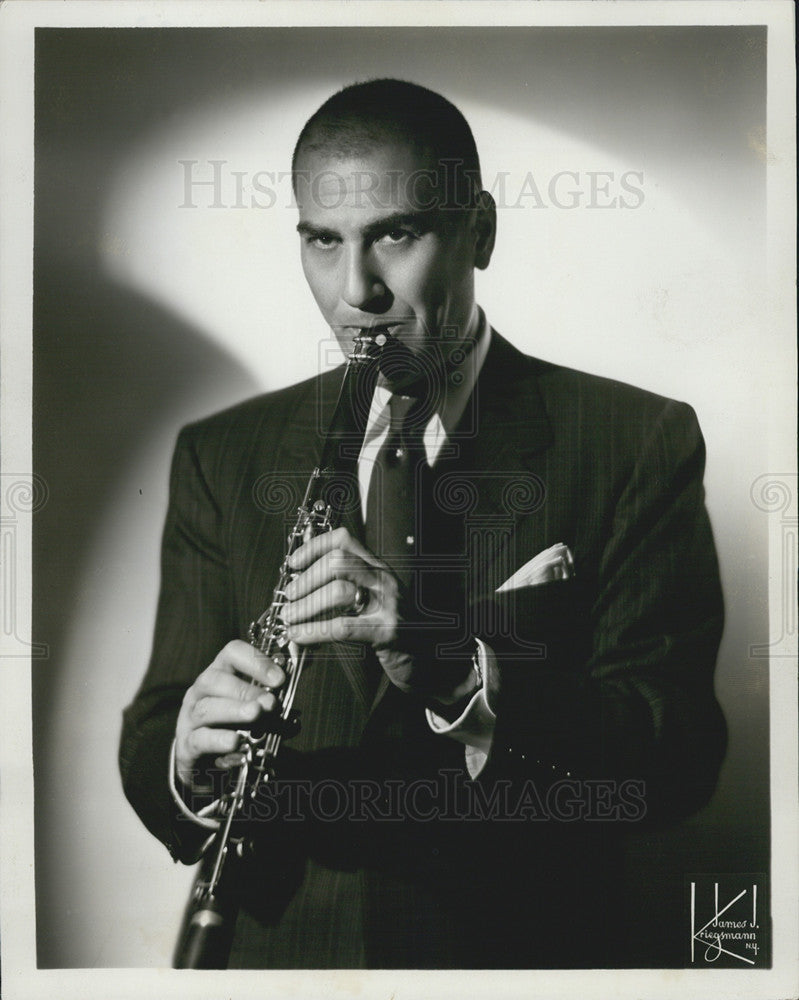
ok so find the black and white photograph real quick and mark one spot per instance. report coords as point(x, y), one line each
point(399, 499)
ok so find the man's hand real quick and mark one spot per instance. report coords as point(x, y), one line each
point(222, 700)
point(330, 568)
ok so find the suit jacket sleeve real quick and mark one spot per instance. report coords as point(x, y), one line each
point(627, 692)
point(194, 620)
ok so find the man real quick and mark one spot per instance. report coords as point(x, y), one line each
point(513, 628)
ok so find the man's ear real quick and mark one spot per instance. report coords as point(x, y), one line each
point(485, 229)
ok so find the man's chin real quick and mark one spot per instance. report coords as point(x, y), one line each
point(411, 360)
point(416, 369)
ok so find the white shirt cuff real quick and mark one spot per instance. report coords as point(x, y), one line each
point(474, 727)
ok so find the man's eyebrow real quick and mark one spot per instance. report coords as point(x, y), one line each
point(421, 221)
point(309, 229)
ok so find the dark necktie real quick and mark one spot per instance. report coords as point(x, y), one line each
point(395, 489)
point(419, 540)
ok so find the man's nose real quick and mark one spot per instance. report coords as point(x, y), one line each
point(362, 285)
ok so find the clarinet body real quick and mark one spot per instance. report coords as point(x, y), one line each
point(207, 930)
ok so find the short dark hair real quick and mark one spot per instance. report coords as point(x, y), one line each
point(362, 116)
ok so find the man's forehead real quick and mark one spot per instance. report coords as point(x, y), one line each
point(388, 178)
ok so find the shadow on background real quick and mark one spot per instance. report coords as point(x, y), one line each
point(110, 369)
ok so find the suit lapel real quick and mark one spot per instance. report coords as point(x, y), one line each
point(512, 427)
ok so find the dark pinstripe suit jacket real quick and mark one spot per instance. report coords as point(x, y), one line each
point(607, 677)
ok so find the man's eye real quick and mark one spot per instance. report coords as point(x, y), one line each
point(397, 236)
point(322, 242)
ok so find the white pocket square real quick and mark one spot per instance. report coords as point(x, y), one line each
point(555, 563)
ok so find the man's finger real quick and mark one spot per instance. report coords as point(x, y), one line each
point(246, 659)
point(225, 712)
point(335, 565)
point(331, 630)
point(218, 683)
point(316, 547)
point(337, 595)
point(205, 740)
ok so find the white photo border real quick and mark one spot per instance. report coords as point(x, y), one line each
point(18, 19)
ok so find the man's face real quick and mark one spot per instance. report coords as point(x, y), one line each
point(378, 253)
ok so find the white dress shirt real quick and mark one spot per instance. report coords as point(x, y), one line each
point(475, 726)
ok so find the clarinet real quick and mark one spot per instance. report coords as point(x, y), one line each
point(207, 930)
